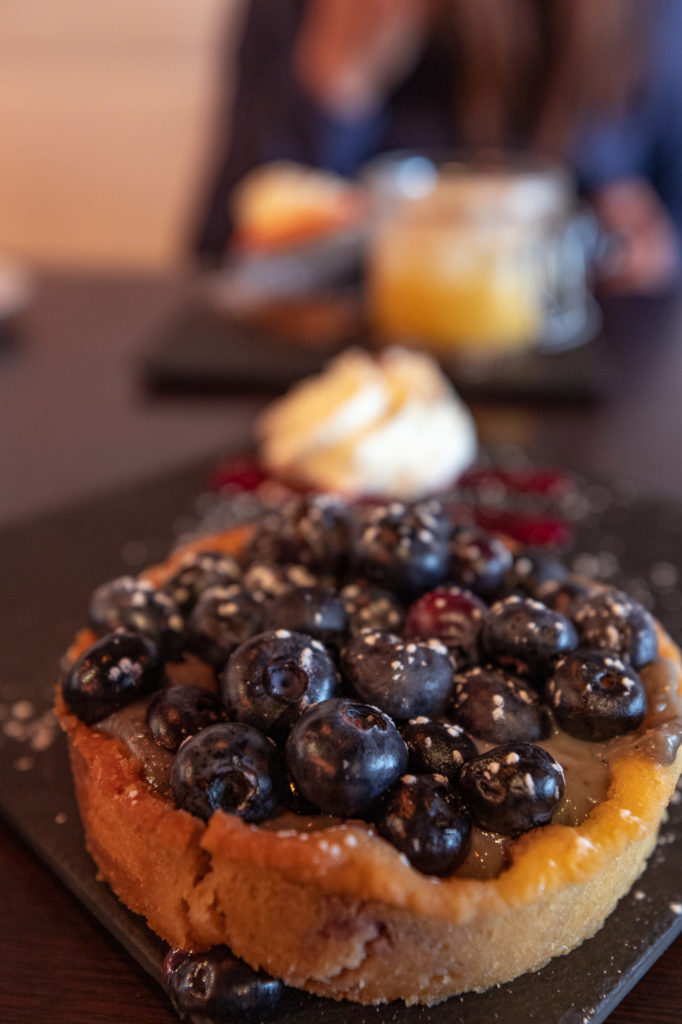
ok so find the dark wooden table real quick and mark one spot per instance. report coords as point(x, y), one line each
point(74, 422)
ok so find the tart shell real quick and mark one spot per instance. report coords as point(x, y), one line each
point(337, 911)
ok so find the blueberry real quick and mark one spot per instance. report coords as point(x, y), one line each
point(532, 568)
point(199, 570)
point(404, 549)
point(612, 621)
point(181, 710)
point(453, 615)
point(370, 607)
point(315, 532)
point(317, 611)
point(428, 822)
point(264, 580)
point(479, 561)
point(595, 696)
point(264, 546)
point(216, 986)
point(566, 595)
point(222, 618)
point(405, 678)
point(343, 755)
point(230, 767)
point(495, 706)
point(436, 748)
point(115, 599)
point(117, 670)
point(274, 675)
point(135, 605)
point(524, 636)
point(512, 788)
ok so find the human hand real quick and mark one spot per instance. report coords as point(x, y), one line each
point(351, 53)
point(645, 255)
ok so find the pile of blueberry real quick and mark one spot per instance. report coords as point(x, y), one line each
point(374, 663)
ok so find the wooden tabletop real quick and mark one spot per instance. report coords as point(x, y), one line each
point(74, 422)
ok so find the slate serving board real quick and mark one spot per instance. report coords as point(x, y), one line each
point(205, 351)
point(50, 567)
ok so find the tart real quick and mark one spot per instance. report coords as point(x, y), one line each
point(556, 701)
point(283, 203)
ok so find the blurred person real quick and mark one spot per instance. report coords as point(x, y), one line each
point(597, 83)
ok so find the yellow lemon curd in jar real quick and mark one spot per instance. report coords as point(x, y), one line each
point(452, 286)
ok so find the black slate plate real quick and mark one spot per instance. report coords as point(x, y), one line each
point(51, 566)
point(202, 350)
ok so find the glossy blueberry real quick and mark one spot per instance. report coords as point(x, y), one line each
point(117, 670)
point(512, 788)
point(275, 675)
point(497, 707)
point(428, 822)
point(567, 595)
point(343, 755)
point(218, 987)
point(404, 678)
point(479, 561)
point(370, 607)
point(453, 615)
point(595, 696)
point(317, 611)
point(264, 580)
point(124, 596)
point(524, 636)
point(404, 549)
point(436, 748)
point(315, 532)
point(231, 767)
point(612, 621)
point(530, 569)
point(136, 605)
point(222, 618)
point(179, 711)
point(198, 571)
point(264, 546)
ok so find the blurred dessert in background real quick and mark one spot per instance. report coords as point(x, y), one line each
point(285, 203)
point(388, 425)
point(482, 257)
point(298, 233)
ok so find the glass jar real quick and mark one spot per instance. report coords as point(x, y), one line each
point(488, 256)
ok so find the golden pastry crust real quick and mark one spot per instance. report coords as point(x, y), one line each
point(338, 911)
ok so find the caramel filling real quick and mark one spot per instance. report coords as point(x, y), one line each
point(586, 765)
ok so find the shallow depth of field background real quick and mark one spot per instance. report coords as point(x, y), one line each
point(106, 108)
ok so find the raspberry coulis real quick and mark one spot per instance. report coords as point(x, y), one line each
point(522, 504)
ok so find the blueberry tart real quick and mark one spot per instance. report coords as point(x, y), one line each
point(353, 801)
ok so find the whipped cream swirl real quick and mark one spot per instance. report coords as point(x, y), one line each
point(387, 425)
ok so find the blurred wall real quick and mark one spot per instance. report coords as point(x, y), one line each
point(105, 115)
